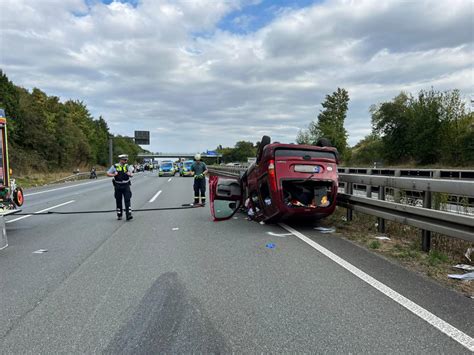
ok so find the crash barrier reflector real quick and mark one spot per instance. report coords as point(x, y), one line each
point(424, 217)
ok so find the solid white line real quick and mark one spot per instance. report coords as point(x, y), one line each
point(65, 187)
point(462, 338)
point(170, 179)
point(154, 197)
point(46, 209)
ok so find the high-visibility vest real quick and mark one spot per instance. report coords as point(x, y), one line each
point(122, 173)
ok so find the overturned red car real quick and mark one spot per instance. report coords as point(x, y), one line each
point(287, 181)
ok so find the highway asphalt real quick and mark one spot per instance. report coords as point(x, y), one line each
point(175, 281)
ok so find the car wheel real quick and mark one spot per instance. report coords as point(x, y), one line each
point(18, 196)
point(266, 140)
point(323, 142)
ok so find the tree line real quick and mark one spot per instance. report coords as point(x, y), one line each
point(430, 128)
point(46, 134)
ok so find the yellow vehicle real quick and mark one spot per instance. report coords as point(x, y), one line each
point(11, 196)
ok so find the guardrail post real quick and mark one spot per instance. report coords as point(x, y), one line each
point(426, 235)
point(348, 189)
point(368, 188)
point(396, 192)
point(381, 221)
point(3, 237)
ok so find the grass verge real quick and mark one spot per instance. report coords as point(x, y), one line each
point(404, 246)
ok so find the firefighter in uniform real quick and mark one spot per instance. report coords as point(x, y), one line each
point(199, 171)
point(121, 172)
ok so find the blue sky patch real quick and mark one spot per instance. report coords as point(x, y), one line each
point(134, 3)
point(251, 18)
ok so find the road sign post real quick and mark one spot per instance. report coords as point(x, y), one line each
point(142, 137)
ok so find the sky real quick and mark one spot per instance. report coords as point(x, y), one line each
point(203, 73)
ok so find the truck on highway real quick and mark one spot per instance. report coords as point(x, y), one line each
point(286, 181)
point(11, 195)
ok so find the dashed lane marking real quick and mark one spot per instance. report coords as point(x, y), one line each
point(46, 209)
point(66, 187)
point(155, 197)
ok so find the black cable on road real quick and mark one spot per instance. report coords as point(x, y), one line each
point(183, 207)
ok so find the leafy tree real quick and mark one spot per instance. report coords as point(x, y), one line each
point(391, 121)
point(48, 134)
point(241, 151)
point(331, 120)
point(432, 127)
point(367, 151)
point(304, 137)
point(330, 123)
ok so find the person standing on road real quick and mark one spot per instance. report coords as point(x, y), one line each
point(121, 172)
point(199, 171)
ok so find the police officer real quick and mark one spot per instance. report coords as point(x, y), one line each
point(121, 172)
point(199, 171)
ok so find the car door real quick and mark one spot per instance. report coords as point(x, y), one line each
point(225, 196)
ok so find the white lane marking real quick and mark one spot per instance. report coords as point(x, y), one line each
point(154, 197)
point(170, 179)
point(65, 187)
point(46, 209)
point(459, 336)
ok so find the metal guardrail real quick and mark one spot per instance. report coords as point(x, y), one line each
point(467, 174)
point(78, 176)
point(425, 218)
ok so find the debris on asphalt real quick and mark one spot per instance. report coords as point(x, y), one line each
point(281, 235)
point(271, 246)
point(468, 254)
point(261, 222)
point(464, 267)
point(382, 237)
point(175, 229)
point(469, 276)
point(325, 230)
point(344, 218)
point(235, 217)
point(40, 251)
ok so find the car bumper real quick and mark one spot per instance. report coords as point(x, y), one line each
point(166, 173)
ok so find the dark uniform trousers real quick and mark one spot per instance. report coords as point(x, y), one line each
point(200, 187)
point(122, 190)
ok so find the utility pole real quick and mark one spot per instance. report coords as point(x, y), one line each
point(111, 150)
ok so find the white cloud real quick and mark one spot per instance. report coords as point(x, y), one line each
point(166, 67)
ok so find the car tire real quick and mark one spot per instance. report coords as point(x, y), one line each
point(266, 140)
point(18, 197)
point(323, 142)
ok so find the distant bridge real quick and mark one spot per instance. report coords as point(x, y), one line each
point(177, 155)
